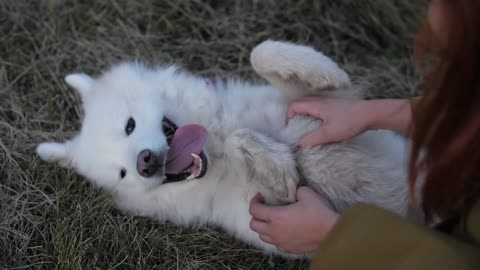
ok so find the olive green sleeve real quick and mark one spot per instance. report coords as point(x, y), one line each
point(371, 238)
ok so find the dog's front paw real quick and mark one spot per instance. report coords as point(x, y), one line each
point(289, 61)
point(237, 141)
point(270, 162)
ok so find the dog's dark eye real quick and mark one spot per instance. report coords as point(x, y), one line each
point(169, 129)
point(123, 173)
point(130, 126)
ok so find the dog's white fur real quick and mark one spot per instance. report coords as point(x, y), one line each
point(250, 148)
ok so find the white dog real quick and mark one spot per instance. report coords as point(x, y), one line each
point(175, 147)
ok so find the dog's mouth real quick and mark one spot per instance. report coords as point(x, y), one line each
point(185, 157)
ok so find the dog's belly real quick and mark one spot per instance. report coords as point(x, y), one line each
point(370, 168)
point(260, 108)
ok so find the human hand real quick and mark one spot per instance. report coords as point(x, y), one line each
point(296, 228)
point(345, 118)
point(342, 119)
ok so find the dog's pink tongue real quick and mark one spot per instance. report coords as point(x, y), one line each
point(187, 140)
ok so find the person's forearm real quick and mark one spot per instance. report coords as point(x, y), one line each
point(390, 114)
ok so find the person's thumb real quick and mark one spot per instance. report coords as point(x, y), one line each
point(297, 107)
point(317, 137)
point(305, 193)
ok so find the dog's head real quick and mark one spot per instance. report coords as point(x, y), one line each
point(127, 135)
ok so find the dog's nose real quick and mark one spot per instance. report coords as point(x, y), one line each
point(149, 163)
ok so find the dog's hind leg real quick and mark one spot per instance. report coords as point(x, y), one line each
point(299, 70)
point(270, 162)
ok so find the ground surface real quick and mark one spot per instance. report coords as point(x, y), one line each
point(51, 218)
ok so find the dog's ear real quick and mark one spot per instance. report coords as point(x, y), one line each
point(81, 82)
point(56, 152)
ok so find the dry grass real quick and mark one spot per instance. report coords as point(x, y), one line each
point(51, 218)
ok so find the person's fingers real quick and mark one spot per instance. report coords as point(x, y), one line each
point(258, 198)
point(267, 239)
point(317, 137)
point(301, 107)
point(282, 250)
point(305, 192)
point(260, 226)
point(293, 109)
point(259, 210)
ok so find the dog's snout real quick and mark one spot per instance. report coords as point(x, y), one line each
point(149, 163)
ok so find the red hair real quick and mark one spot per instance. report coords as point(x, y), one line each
point(446, 143)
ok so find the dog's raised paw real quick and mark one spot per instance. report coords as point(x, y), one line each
point(289, 61)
